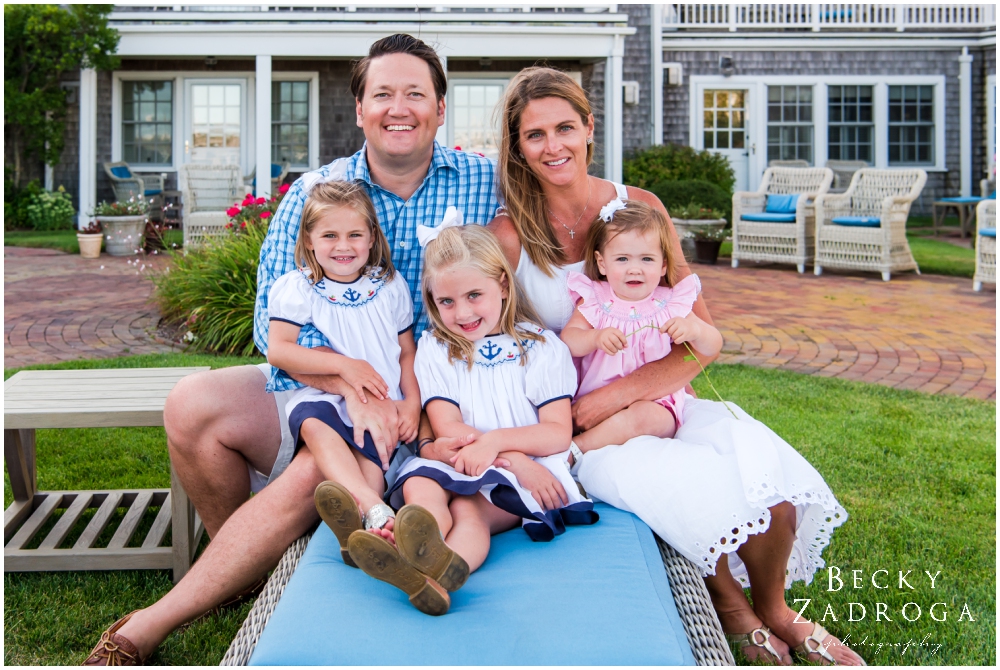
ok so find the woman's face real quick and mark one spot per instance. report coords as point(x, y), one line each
point(553, 139)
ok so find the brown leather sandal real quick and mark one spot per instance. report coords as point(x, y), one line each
point(337, 508)
point(420, 544)
point(382, 561)
point(114, 649)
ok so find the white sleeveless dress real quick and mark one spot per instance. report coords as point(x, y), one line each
point(709, 488)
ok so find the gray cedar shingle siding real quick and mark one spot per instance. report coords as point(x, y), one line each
point(637, 127)
point(939, 62)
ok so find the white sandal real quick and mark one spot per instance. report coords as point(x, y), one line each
point(758, 637)
point(378, 516)
point(813, 644)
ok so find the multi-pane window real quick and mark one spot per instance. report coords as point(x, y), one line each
point(147, 122)
point(911, 125)
point(725, 119)
point(472, 116)
point(215, 109)
point(790, 123)
point(290, 122)
point(852, 123)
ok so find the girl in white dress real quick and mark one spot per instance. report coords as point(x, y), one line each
point(485, 371)
point(348, 289)
point(624, 318)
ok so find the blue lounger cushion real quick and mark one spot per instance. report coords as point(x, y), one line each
point(862, 221)
point(782, 204)
point(988, 232)
point(596, 595)
point(153, 191)
point(121, 172)
point(769, 218)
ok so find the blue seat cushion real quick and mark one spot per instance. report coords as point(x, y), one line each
point(596, 595)
point(153, 191)
point(769, 218)
point(862, 221)
point(275, 170)
point(121, 172)
point(962, 200)
point(988, 232)
point(782, 204)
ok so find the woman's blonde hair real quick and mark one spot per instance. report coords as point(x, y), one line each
point(331, 195)
point(636, 217)
point(520, 190)
point(477, 248)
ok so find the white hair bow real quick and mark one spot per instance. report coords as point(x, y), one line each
point(608, 211)
point(452, 219)
point(337, 172)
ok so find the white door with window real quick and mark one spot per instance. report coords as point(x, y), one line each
point(725, 129)
point(471, 113)
point(216, 122)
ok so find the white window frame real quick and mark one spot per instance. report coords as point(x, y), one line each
point(757, 85)
point(991, 126)
point(116, 118)
point(467, 79)
point(313, 79)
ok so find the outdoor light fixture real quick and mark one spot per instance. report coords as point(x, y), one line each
point(674, 74)
point(485, 63)
point(211, 61)
point(631, 92)
point(726, 65)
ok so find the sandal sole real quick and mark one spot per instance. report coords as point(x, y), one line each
point(379, 559)
point(338, 510)
point(419, 541)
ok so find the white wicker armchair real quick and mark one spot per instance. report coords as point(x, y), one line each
point(986, 244)
point(843, 172)
point(208, 191)
point(791, 242)
point(871, 229)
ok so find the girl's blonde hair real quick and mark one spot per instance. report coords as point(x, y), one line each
point(520, 190)
point(328, 196)
point(636, 217)
point(477, 248)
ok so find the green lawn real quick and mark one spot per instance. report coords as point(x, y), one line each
point(917, 474)
point(65, 240)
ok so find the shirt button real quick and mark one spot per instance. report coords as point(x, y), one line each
point(402, 245)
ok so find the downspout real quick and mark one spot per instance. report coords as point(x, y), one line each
point(656, 100)
point(965, 120)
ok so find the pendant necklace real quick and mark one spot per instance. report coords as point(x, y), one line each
point(572, 231)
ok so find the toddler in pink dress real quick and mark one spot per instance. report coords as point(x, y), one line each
point(624, 318)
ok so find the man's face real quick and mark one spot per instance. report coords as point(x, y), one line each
point(399, 110)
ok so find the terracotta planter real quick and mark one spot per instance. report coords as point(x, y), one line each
point(685, 232)
point(123, 235)
point(706, 251)
point(90, 244)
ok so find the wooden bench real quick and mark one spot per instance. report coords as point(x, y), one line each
point(91, 399)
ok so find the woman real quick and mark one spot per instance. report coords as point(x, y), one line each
point(734, 498)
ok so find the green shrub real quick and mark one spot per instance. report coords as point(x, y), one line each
point(212, 290)
point(676, 195)
point(16, 201)
point(50, 210)
point(671, 162)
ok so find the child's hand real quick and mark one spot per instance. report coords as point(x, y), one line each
point(611, 340)
point(409, 418)
point(361, 375)
point(544, 487)
point(682, 329)
point(474, 459)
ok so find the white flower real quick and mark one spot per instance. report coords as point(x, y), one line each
point(190, 337)
point(608, 211)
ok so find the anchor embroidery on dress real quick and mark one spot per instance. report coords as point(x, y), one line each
point(492, 350)
point(351, 294)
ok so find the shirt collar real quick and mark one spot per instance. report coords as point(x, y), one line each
point(440, 159)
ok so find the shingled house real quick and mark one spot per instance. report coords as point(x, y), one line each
point(894, 85)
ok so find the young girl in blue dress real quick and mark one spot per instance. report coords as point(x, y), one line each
point(485, 370)
point(347, 288)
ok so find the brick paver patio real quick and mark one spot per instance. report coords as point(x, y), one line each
point(929, 333)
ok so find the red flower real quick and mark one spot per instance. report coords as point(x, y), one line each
point(243, 225)
point(247, 200)
point(458, 148)
point(260, 201)
point(265, 215)
point(284, 188)
point(232, 211)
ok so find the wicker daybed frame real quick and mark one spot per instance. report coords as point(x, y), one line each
point(701, 625)
point(986, 247)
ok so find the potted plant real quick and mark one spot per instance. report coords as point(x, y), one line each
point(124, 225)
point(90, 238)
point(691, 217)
point(707, 241)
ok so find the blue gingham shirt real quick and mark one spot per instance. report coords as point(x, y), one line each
point(454, 178)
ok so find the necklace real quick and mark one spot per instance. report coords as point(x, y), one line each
point(572, 231)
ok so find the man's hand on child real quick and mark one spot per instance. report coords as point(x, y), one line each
point(611, 340)
point(379, 418)
point(361, 375)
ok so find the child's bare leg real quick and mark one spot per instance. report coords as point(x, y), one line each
point(337, 462)
point(476, 518)
point(428, 494)
point(643, 417)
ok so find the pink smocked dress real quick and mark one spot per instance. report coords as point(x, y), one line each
point(640, 322)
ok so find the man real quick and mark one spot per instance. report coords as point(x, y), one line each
point(228, 435)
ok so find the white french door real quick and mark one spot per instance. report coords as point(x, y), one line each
point(725, 129)
point(216, 129)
